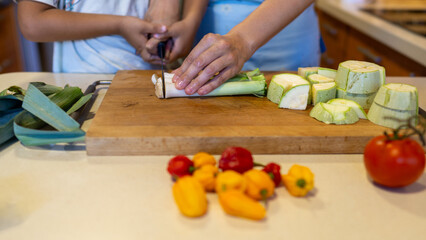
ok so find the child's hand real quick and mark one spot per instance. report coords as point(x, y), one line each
point(136, 30)
point(182, 35)
point(163, 12)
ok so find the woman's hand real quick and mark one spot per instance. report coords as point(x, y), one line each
point(215, 54)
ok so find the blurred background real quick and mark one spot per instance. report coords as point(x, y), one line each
point(377, 31)
point(16, 53)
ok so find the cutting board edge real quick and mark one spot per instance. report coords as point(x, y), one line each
point(257, 145)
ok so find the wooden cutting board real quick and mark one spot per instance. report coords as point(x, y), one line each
point(133, 121)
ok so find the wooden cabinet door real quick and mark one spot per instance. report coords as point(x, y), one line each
point(364, 48)
point(10, 53)
point(334, 34)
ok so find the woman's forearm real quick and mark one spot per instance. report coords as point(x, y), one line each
point(267, 20)
point(43, 23)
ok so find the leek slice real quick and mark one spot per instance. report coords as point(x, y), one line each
point(306, 71)
point(386, 117)
point(292, 91)
point(317, 78)
point(360, 77)
point(334, 114)
point(349, 103)
point(250, 83)
point(327, 72)
point(323, 92)
point(365, 100)
point(398, 96)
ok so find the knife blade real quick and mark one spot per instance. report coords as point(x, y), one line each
point(161, 50)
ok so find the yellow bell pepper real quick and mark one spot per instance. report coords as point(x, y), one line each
point(299, 180)
point(190, 196)
point(200, 159)
point(236, 203)
point(228, 180)
point(259, 184)
point(206, 175)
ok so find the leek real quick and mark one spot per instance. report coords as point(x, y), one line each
point(40, 105)
point(250, 83)
point(38, 99)
point(65, 99)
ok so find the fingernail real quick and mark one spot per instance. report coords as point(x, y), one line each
point(180, 84)
point(163, 28)
point(189, 90)
point(175, 78)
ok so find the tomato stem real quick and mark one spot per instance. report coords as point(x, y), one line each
point(410, 128)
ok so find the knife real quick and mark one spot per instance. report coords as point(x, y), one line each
point(161, 50)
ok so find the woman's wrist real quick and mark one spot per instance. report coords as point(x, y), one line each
point(247, 45)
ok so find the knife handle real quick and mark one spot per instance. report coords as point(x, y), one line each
point(161, 49)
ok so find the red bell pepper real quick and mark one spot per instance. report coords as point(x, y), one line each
point(273, 170)
point(236, 158)
point(180, 166)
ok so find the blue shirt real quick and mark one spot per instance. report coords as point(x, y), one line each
point(297, 45)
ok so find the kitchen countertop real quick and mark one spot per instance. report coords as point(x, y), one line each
point(58, 192)
point(403, 41)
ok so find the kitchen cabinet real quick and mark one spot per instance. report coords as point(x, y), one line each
point(335, 35)
point(362, 47)
point(346, 43)
point(10, 53)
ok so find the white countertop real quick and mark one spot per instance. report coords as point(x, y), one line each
point(403, 41)
point(58, 192)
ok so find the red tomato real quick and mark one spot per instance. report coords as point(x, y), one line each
point(394, 163)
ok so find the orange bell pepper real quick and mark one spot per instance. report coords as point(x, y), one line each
point(190, 196)
point(206, 175)
point(299, 180)
point(259, 184)
point(236, 203)
point(200, 159)
point(228, 180)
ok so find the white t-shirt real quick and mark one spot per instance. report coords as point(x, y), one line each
point(106, 54)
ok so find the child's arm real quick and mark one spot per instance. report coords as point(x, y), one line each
point(42, 23)
point(164, 12)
